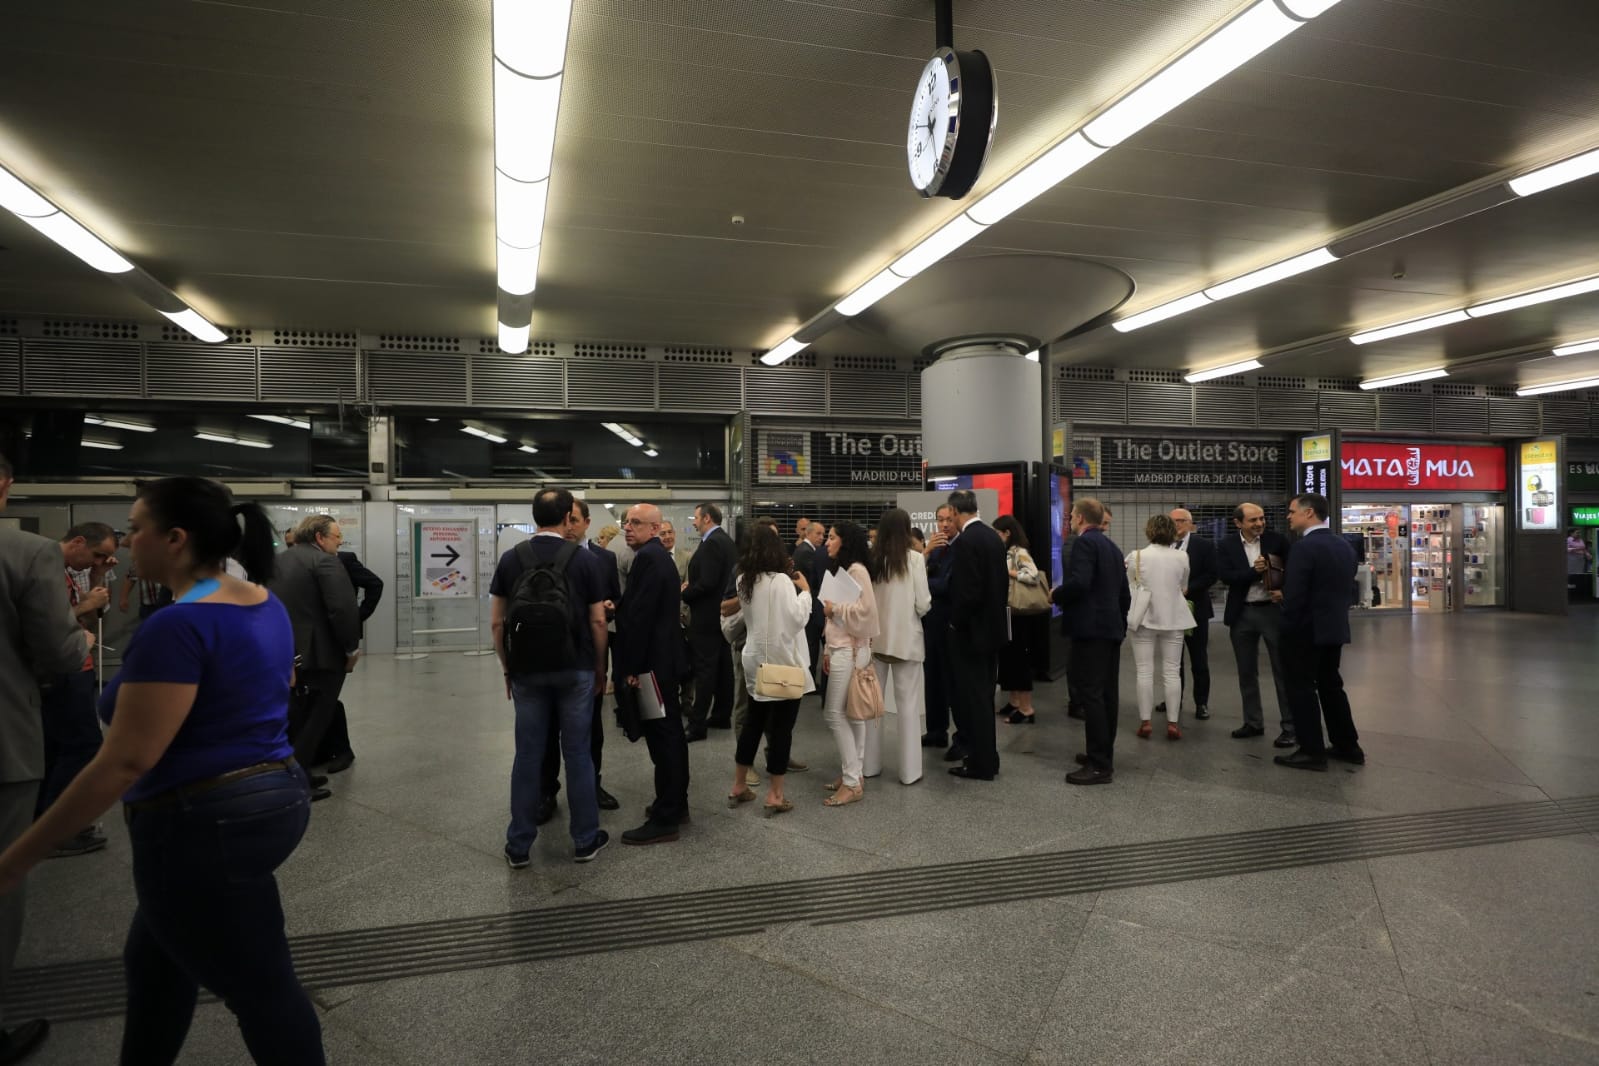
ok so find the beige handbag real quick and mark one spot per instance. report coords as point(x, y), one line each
point(863, 700)
point(778, 682)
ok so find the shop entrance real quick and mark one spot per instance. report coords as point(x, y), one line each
point(1427, 556)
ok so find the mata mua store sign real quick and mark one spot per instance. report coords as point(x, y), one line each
point(1375, 466)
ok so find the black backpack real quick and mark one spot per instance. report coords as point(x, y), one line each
point(538, 621)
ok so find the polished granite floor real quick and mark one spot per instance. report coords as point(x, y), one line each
point(1438, 905)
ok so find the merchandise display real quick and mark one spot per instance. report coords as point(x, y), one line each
point(1414, 553)
point(1380, 579)
point(1482, 526)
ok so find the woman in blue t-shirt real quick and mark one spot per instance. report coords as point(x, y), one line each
point(197, 748)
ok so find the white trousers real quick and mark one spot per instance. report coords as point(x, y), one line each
point(907, 707)
point(849, 736)
point(1165, 647)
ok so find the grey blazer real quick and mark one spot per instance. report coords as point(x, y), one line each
point(316, 590)
point(38, 636)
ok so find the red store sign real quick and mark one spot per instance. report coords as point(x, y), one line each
point(1367, 465)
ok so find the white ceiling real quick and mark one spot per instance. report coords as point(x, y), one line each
point(327, 164)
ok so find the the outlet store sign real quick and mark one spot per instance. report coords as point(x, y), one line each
point(1371, 465)
point(1128, 462)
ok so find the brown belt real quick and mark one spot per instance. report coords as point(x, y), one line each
point(173, 796)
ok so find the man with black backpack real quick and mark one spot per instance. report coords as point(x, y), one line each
point(548, 613)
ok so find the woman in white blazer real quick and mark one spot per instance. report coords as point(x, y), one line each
point(899, 582)
point(776, 602)
point(1158, 575)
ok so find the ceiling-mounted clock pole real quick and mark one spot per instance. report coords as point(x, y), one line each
point(953, 113)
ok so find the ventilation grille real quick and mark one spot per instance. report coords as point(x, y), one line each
point(406, 379)
point(803, 359)
point(518, 381)
point(1404, 412)
point(868, 393)
point(1513, 417)
point(1224, 406)
point(913, 396)
point(596, 386)
point(1293, 409)
point(111, 331)
point(10, 366)
point(1092, 402)
point(81, 368)
point(1565, 414)
point(1348, 410)
point(1453, 388)
point(922, 362)
point(491, 346)
point(1412, 388)
point(189, 372)
point(1155, 377)
point(303, 376)
point(1160, 405)
point(1281, 381)
point(178, 335)
point(1503, 392)
point(1340, 384)
point(722, 356)
point(785, 390)
point(406, 342)
point(700, 388)
point(1085, 373)
point(314, 338)
point(610, 351)
point(1460, 416)
point(865, 362)
point(8, 327)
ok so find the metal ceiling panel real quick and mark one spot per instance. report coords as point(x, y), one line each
point(1347, 410)
point(1566, 414)
point(195, 372)
point(1091, 402)
point(1224, 405)
point(1515, 417)
point(700, 388)
point(299, 375)
point(782, 391)
point(1404, 413)
point(518, 381)
point(610, 385)
point(1289, 409)
point(1160, 405)
point(10, 366)
point(866, 392)
point(421, 378)
point(1455, 415)
point(81, 368)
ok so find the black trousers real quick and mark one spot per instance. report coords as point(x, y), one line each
point(311, 714)
point(669, 753)
point(776, 719)
point(336, 741)
point(1315, 692)
point(972, 675)
point(935, 677)
point(1096, 667)
point(713, 678)
point(550, 775)
point(1198, 645)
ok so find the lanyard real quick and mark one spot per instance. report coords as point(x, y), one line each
point(201, 590)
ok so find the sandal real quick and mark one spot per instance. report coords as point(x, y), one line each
point(1144, 729)
point(834, 786)
point(845, 796)
point(775, 809)
point(740, 797)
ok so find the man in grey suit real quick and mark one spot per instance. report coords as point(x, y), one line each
point(38, 636)
point(316, 590)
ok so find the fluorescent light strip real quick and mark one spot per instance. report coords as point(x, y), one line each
point(485, 434)
point(1415, 325)
point(784, 351)
point(1267, 275)
point(1241, 367)
point(529, 449)
point(1404, 379)
point(118, 423)
point(513, 339)
point(880, 286)
point(1567, 170)
point(1578, 348)
point(226, 438)
point(623, 432)
point(70, 234)
point(196, 323)
point(103, 445)
point(1035, 179)
point(1559, 386)
point(283, 420)
point(530, 37)
point(652, 453)
point(1538, 296)
point(936, 245)
point(1170, 309)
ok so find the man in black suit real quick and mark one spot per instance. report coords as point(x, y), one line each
point(810, 559)
point(1245, 565)
point(979, 582)
point(1201, 577)
point(316, 591)
point(1315, 628)
point(1094, 598)
point(550, 777)
point(335, 750)
point(709, 574)
point(935, 635)
point(647, 642)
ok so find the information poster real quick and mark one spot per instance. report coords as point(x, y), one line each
point(1539, 485)
point(1316, 464)
point(445, 555)
point(785, 457)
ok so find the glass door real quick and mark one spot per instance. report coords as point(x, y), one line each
point(1432, 557)
point(1379, 534)
point(1483, 554)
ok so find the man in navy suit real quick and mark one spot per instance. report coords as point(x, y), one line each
point(577, 532)
point(1244, 564)
point(710, 571)
point(979, 584)
point(1201, 577)
point(1315, 628)
point(1094, 597)
point(649, 641)
point(935, 634)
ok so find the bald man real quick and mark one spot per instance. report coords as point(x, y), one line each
point(649, 651)
point(1201, 577)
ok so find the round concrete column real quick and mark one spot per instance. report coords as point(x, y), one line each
point(981, 406)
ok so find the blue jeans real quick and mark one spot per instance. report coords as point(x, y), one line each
point(209, 915)
point(570, 695)
point(71, 732)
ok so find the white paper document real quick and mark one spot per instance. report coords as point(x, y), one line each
point(838, 587)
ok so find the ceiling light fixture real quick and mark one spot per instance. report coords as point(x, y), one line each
point(1558, 386)
point(623, 432)
point(1415, 325)
point(1404, 379)
point(1241, 367)
point(118, 423)
point(1536, 181)
point(493, 438)
point(1578, 348)
point(784, 351)
point(283, 420)
point(196, 324)
point(1276, 272)
point(1170, 309)
point(1032, 356)
point(104, 445)
point(529, 59)
point(228, 438)
point(880, 286)
point(529, 449)
point(1537, 296)
point(652, 453)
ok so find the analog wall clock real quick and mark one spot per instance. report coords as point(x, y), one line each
point(952, 123)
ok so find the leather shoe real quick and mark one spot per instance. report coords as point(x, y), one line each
point(693, 733)
point(1202, 712)
point(650, 833)
point(340, 763)
point(1075, 712)
point(1299, 760)
point(968, 773)
point(17, 1044)
point(1351, 755)
point(547, 808)
point(319, 780)
point(935, 740)
point(1244, 732)
point(1081, 758)
point(320, 794)
point(956, 753)
point(683, 819)
point(606, 801)
point(1090, 775)
point(1285, 739)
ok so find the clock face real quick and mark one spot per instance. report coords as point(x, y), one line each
point(930, 140)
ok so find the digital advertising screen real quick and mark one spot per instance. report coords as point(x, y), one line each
point(1059, 480)
point(1002, 481)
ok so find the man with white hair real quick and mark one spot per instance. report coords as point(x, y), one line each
point(1201, 577)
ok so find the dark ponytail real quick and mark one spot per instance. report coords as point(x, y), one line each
point(205, 510)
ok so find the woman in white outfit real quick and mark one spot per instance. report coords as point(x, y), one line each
point(848, 638)
point(899, 584)
point(1162, 570)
